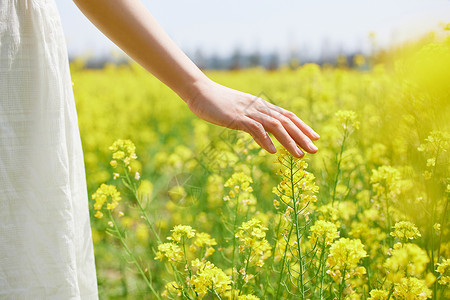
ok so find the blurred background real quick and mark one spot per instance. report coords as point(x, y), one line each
point(240, 34)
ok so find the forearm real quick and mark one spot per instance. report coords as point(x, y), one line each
point(132, 27)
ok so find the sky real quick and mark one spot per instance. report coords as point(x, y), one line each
point(313, 26)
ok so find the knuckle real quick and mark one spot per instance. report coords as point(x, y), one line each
point(274, 123)
point(284, 121)
point(253, 127)
point(289, 114)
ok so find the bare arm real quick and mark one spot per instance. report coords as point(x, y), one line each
point(131, 27)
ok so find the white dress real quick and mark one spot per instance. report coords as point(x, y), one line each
point(46, 249)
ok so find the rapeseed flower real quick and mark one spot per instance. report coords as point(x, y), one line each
point(180, 231)
point(324, 230)
point(346, 254)
point(248, 297)
point(411, 288)
point(405, 230)
point(171, 251)
point(101, 196)
point(406, 259)
point(347, 118)
point(123, 150)
point(171, 289)
point(252, 235)
point(297, 186)
point(208, 277)
point(378, 295)
point(444, 270)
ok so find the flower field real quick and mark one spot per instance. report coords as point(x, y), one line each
point(182, 209)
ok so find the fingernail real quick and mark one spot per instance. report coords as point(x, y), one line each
point(313, 147)
point(272, 148)
point(300, 152)
point(316, 135)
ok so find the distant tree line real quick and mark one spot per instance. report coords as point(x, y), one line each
point(239, 60)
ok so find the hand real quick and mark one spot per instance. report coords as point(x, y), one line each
point(230, 108)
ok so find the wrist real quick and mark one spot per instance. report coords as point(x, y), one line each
point(193, 88)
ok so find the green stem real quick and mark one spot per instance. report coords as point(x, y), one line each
point(273, 256)
point(342, 284)
point(234, 241)
point(133, 258)
point(245, 269)
point(297, 231)
point(283, 263)
point(146, 218)
point(323, 271)
point(339, 165)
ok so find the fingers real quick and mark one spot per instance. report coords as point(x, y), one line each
point(273, 121)
point(259, 134)
point(278, 130)
point(273, 110)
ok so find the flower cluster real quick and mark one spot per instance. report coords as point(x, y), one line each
point(444, 270)
point(180, 231)
point(171, 289)
point(406, 259)
point(437, 141)
point(411, 288)
point(405, 230)
point(297, 186)
point(252, 236)
point(238, 183)
point(386, 179)
point(204, 240)
point(123, 150)
point(324, 231)
point(171, 251)
point(345, 254)
point(101, 196)
point(247, 297)
point(348, 119)
point(208, 278)
point(378, 295)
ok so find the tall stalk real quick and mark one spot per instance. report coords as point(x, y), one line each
point(131, 255)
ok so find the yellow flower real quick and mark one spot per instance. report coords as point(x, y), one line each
point(252, 235)
point(171, 251)
point(406, 259)
point(98, 214)
point(347, 118)
point(209, 278)
point(378, 295)
point(444, 270)
point(385, 179)
point(405, 230)
point(113, 164)
point(180, 231)
point(204, 239)
point(437, 141)
point(295, 181)
point(171, 289)
point(123, 150)
point(239, 182)
point(437, 227)
point(325, 230)
point(346, 254)
point(103, 193)
point(248, 297)
point(411, 288)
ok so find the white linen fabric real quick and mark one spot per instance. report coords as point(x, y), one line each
point(46, 249)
